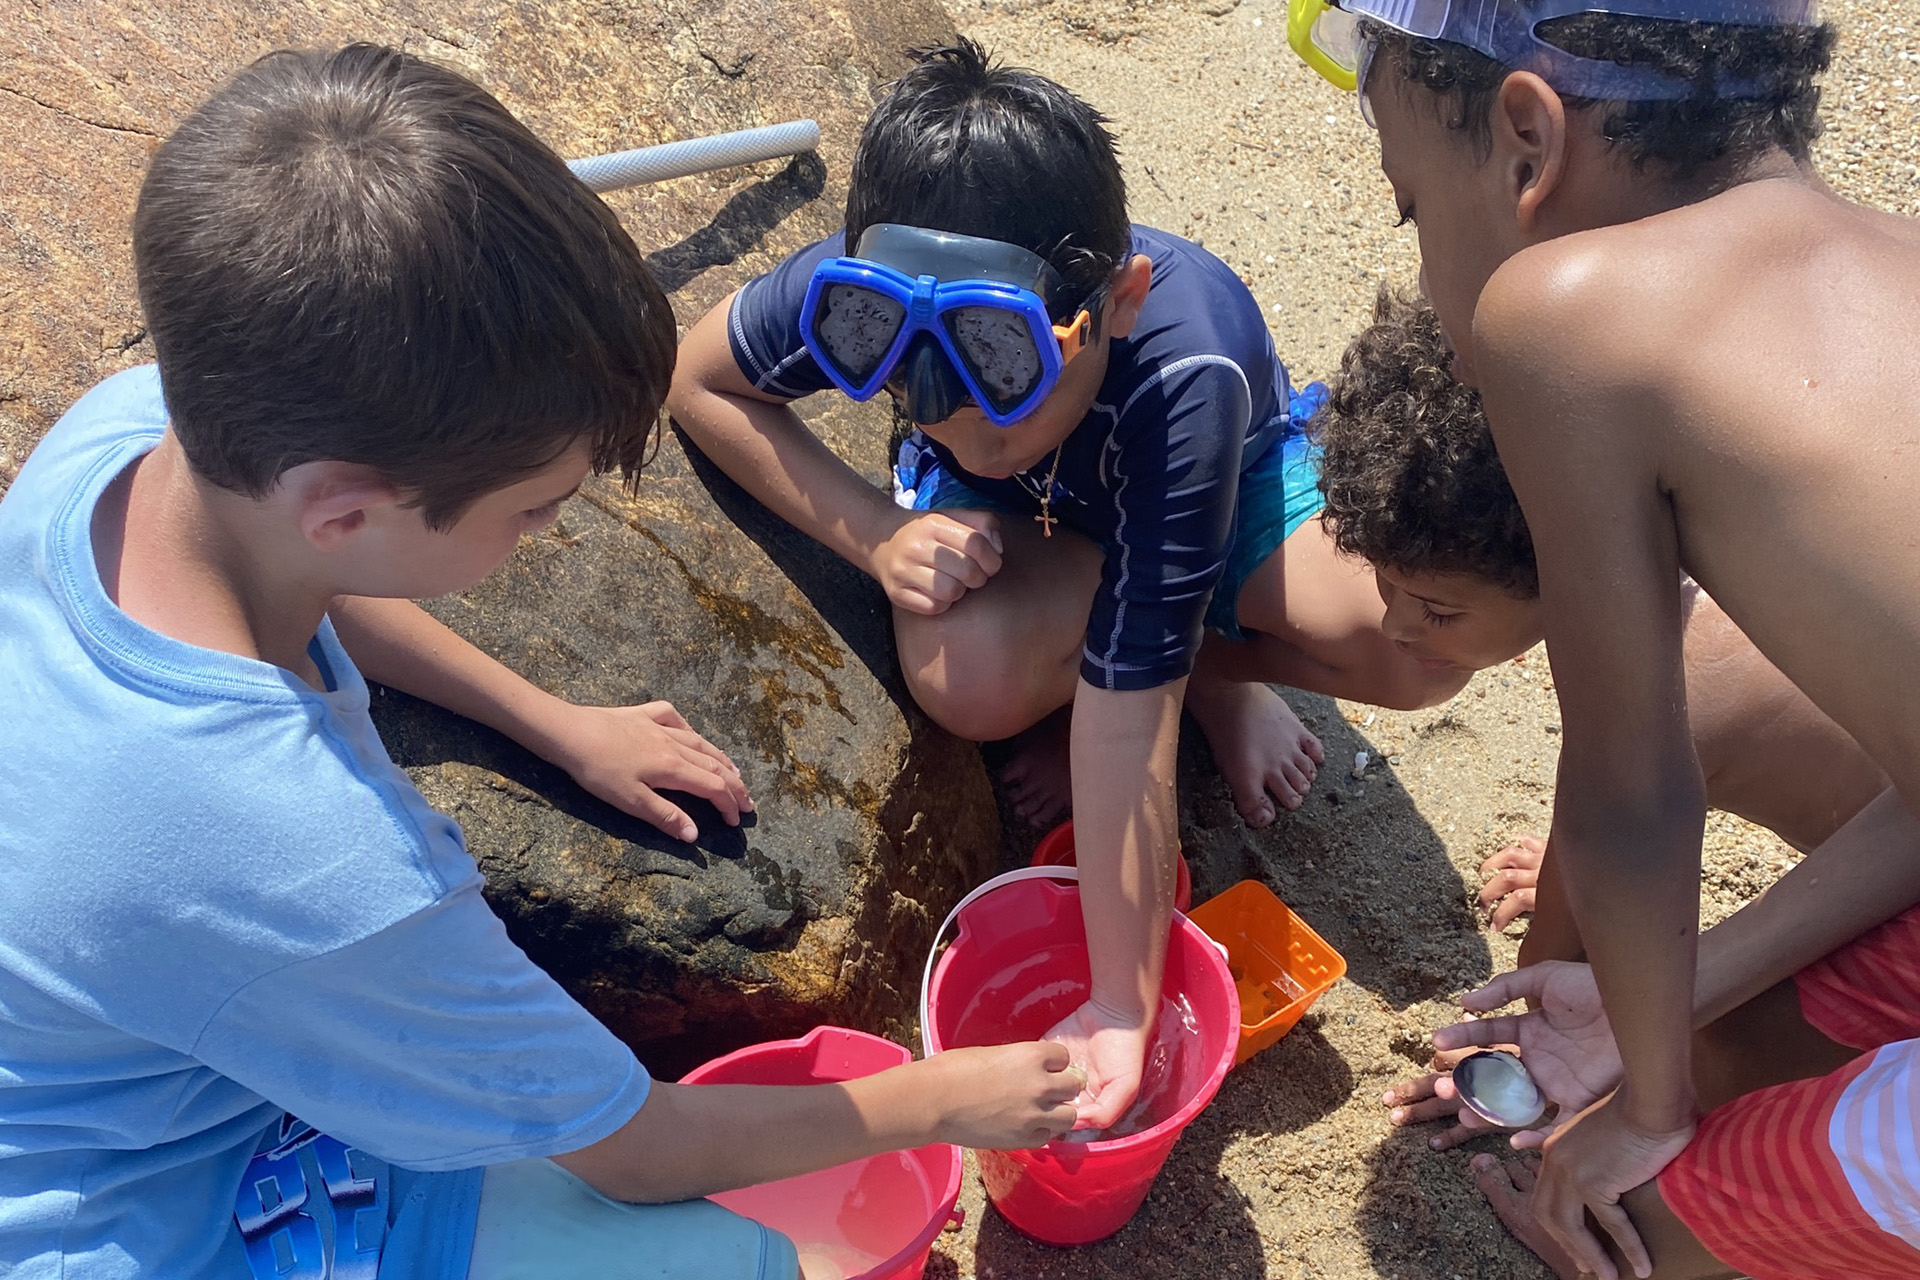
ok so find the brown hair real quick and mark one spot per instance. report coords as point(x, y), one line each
point(1408, 466)
point(361, 256)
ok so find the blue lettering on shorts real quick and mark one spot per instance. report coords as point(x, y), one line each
point(311, 1208)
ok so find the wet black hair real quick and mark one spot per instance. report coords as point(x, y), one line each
point(1408, 465)
point(357, 255)
point(962, 144)
point(1702, 133)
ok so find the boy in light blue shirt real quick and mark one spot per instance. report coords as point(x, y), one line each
point(255, 1018)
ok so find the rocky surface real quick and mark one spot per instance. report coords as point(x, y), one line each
point(869, 818)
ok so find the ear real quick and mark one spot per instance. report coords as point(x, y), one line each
point(1127, 294)
point(1529, 127)
point(333, 500)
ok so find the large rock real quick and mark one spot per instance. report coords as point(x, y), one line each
point(870, 819)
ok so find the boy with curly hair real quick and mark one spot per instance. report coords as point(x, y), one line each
point(1683, 339)
point(1104, 503)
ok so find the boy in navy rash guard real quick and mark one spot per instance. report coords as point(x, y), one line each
point(1142, 536)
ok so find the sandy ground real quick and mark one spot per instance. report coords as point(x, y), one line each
point(1294, 1171)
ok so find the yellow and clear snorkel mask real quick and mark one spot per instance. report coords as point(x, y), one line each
point(1331, 36)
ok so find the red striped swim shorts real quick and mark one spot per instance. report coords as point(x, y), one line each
point(1820, 1179)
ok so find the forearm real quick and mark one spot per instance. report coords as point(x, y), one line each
point(770, 453)
point(1126, 837)
point(694, 1140)
point(399, 644)
point(1630, 865)
point(1864, 874)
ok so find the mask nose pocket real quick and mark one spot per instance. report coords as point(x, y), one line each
point(928, 382)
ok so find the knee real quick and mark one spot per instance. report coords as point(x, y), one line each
point(966, 680)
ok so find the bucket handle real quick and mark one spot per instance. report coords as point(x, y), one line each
point(980, 891)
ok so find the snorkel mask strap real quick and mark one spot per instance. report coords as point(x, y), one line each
point(1338, 37)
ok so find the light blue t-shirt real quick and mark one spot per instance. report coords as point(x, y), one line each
point(221, 902)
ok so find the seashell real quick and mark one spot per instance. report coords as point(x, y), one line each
point(1495, 1086)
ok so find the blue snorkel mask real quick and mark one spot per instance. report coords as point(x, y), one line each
point(942, 319)
point(1330, 37)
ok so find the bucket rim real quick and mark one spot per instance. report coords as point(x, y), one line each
point(1166, 1130)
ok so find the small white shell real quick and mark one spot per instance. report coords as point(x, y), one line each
point(1360, 759)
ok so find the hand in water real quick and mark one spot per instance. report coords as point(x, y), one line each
point(1112, 1049)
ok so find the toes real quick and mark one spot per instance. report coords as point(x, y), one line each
point(1495, 1181)
point(1311, 748)
point(1255, 810)
point(1295, 779)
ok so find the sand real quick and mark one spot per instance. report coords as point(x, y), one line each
point(1294, 1171)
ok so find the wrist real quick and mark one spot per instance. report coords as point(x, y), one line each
point(536, 720)
point(884, 521)
point(1658, 1113)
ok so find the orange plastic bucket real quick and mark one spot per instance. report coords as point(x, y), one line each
point(1280, 966)
point(1056, 850)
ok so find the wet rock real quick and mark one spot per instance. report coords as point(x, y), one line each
point(871, 821)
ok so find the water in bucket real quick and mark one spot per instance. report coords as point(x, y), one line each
point(1174, 1057)
point(1017, 966)
point(847, 1220)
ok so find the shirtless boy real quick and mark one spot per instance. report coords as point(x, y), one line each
point(1105, 462)
point(1414, 487)
point(1695, 358)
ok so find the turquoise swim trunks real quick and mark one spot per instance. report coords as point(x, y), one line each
point(1278, 493)
point(538, 1222)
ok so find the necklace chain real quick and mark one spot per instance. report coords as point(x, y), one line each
point(1046, 519)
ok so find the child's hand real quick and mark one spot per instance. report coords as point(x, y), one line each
point(1009, 1095)
point(1566, 1041)
point(1112, 1049)
point(938, 556)
point(621, 754)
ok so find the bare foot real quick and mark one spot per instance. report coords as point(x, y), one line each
point(1263, 750)
point(1509, 1189)
point(1512, 875)
point(1039, 778)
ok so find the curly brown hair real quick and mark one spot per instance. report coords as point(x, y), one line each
point(1408, 466)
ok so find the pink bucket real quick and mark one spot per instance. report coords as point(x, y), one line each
point(873, 1219)
point(1017, 966)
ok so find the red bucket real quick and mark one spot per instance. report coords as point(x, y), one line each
point(872, 1219)
point(1016, 967)
point(1056, 849)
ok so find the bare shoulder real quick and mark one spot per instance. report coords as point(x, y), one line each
point(1749, 277)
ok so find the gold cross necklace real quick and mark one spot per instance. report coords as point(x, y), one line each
point(1046, 519)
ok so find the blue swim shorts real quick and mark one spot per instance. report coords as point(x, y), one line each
point(1277, 494)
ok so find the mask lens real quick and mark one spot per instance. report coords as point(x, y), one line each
point(856, 327)
point(998, 349)
point(1336, 33)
